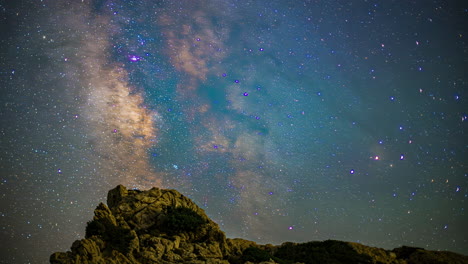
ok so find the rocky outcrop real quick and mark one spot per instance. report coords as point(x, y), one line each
point(163, 226)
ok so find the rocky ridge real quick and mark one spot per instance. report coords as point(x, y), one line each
point(163, 226)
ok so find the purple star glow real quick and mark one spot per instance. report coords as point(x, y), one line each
point(134, 58)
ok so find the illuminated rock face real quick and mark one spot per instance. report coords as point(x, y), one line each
point(163, 226)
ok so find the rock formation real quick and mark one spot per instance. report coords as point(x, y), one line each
point(163, 226)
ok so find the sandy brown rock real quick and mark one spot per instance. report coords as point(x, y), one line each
point(163, 226)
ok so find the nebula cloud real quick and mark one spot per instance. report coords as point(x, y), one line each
point(121, 128)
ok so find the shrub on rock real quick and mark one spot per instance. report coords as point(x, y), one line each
point(182, 219)
point(117, 237)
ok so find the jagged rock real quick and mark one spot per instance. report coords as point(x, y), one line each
point(163, 226)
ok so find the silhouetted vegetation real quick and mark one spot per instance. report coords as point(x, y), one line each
point(405, 252)
point(182, 219)
point(117, 237)
point(256, 255)
point(327, 252)
point(94, 228)
point(419, 255)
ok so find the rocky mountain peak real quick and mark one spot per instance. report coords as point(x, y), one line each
point(164, 226)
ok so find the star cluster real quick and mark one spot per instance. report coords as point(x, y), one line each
point(283, 120)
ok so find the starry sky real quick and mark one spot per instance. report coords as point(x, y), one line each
point(283, 120)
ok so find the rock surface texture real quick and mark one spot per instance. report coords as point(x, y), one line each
point(163, 226)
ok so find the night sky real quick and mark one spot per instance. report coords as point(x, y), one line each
point(283, 120)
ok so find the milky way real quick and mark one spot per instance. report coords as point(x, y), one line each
point(298, 121)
